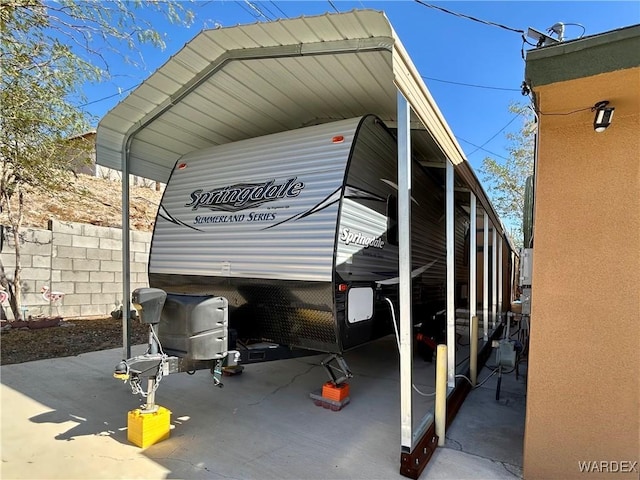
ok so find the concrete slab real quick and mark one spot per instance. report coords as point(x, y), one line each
point(485, 439)
point(67, 418)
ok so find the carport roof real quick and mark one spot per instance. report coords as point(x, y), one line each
point(228, 84)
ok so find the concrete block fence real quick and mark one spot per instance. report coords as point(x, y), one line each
point(82, 261)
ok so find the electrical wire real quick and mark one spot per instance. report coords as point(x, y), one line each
point(564, 113)
point(155, 336)
point(496, 134)
point(472, 85)
point(481, 383)
point(242, 5)
point(334, 7)
point(257, 9)
point(584, 30)
point(120, 92)
point(281, 11)
point(395, 329)
point(540, 112)
point(480, 148)
point(273, 15)
point(468, 17)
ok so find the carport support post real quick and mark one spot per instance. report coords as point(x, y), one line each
point(473, 269)
point(485, 278)
point(451, 272)
point(494, 278)
point(404, 260)
point(126, 272)
point(500, 284)
point(440, 411)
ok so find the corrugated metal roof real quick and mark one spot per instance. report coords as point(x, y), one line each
point(228, 84)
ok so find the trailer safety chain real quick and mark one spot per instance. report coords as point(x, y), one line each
point(134, 381)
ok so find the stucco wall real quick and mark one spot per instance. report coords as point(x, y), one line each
point(82, 261)
point(583, 399)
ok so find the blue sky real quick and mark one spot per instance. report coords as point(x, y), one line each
point(446, 49)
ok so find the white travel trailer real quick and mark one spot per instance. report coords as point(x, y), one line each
point(297, 230)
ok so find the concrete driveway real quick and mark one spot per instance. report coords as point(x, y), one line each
point(66, 419)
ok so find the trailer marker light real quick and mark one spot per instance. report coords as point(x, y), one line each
point(338, 139)
point(342, 287)
point(182, 166)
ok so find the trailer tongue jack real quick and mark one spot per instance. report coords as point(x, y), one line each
point(194, 331)
point(154, 363)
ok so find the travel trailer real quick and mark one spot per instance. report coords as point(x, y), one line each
point(277, 231)
point(298, 231)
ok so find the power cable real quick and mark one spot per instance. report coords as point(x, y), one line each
point(246, 9)
point(468, 17)
point(120, 92)
point(550, 114)
point(275, 5)
point(273, 15)
point(471, 85)
point(584, 30)
point(257, 9)
point(565, 113)
point(334, 7)
point(497, 133)
point(480, 148)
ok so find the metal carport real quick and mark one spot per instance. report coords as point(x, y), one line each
point(228, 84)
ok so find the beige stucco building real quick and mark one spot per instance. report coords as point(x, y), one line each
point(583, 405)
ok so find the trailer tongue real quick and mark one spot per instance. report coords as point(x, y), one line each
point(198, 339)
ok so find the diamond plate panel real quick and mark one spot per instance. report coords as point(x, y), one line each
point(297, 314)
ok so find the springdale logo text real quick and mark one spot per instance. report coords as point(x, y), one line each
point(234, 198)
point(359, 238)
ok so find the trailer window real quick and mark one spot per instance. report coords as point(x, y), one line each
point(359, 304)
point(392, 220)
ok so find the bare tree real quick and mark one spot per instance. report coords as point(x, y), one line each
point(506, 179)
point(47, 53)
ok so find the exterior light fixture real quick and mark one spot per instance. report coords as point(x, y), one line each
point(603, 117)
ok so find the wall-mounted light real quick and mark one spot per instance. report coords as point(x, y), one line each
point(603, 117)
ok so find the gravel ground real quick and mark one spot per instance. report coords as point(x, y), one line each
point(72, 337)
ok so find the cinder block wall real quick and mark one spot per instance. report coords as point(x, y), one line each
point(80, 260)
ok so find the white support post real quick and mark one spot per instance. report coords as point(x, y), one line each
point(440, 410)
point(473, 268)
point(494, 278)
point(485, 278)
point(451, 274)
point(473, 352)
point(404, 260)
point(500, 280)
point(126, 264)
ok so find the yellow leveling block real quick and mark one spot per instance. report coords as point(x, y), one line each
point(146, 429)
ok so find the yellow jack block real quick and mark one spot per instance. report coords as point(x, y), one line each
point(146, 429)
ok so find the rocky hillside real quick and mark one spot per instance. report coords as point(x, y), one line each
point(91, 200)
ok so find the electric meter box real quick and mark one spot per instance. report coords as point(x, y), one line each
point(526, 266)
